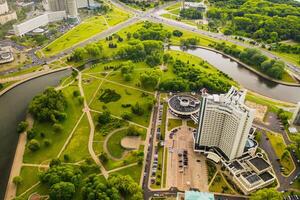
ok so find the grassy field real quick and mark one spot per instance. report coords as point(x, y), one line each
point(134, 172)
point(27, 172)
point(114, 144)
point(73, 111)
point(128, 96)
point(219, 185)
point(279, 147)
point(77, 149)
point(173, 123)
point(87, 29)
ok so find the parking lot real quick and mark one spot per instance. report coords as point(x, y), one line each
point(185, 168)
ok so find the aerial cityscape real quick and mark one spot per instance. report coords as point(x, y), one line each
point(150, 99)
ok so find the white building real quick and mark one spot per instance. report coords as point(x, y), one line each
point(224, 123)
point(5, 14)
point(42, 20)
point(296, 116)
point(196, 5)
point(6, 54)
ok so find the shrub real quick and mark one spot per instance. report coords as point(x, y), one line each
point(33, 145)
point(17, 180)
point(22, 126)
point(47, 142)
point(58, 128)
point(109, 96)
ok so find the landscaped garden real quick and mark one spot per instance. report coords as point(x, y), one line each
point(220, 185)
point(85, 30)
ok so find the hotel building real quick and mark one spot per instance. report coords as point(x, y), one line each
point(224, 123)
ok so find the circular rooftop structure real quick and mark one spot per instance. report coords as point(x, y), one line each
point(184, 105)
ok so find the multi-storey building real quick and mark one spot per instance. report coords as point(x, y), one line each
point(224, 123)
point(5, 14)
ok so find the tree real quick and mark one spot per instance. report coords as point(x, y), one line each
point(149, 79)
point(267, 193)
point(133, 131)
point(62, 191)
point(76, 93)
point(126, 116)
point(48, 106)
point(78, 54)
point(177, 33)
point(94, 49)
point(190, 13)
point(61, 173)
point(22, 126)
point(33, 145)
point(104, 118)
point(94, 188)
point(58, 128)
point(103, 157)
point(31, 134)
point(17, 180)
point(137, 109)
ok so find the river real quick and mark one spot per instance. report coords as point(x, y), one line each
point(13, 106)
point(245, 77)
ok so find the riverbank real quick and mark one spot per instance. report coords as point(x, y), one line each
point(249, 67)
point(32, 77)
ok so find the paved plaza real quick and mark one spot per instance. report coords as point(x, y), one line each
point(192, 176)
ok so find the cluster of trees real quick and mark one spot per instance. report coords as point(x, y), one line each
point(191, 78)
point(109, 95)
point(49, 106)
point(63, 180)
point(270, 23)
point(190, 13)
point(133, 131)
point(149, 79)
point(189, 42)
point(90, 50)
point(267, 193)
point(152, 31)
point(285, 48)
point(142, 4)
point(126, 71)
point(150, 51)
point(254, 57)
point(117, 187)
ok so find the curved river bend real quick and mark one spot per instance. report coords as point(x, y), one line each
point(246, 78)
point(13, 106)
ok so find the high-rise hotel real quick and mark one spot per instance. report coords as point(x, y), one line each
point(224, 123)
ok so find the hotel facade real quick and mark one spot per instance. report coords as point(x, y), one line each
point(224, 123)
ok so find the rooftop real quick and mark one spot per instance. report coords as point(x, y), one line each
point(259, 163)
point(194, 195)
point(184, 104)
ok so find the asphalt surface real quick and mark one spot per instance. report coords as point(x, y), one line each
point(274, 124)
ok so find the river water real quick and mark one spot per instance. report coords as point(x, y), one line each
point(13, 106)
point(245, 77)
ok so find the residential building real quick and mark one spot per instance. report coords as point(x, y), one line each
point(196, 5)
point(224, 123)
point(5, 14)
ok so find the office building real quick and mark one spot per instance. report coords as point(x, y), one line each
point(71, 7)
point(296, 116)
point(39, 21)
point(5, 14)
point(224, 123)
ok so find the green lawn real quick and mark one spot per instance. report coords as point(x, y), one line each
point(128, 96)
point(77, 149)
point(114, 144)
point(134, 172)
point(30, 177)
point(279, 147)
point(173, 123)
point(74, 110)
point(87, 29)
point(192, 124)
point(273, 106)
point(219, 185)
